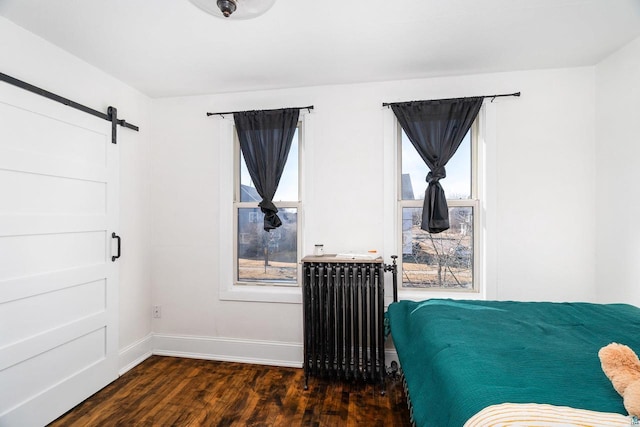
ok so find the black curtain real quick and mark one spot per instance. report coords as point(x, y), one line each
point(436, 129)
point(265, 139)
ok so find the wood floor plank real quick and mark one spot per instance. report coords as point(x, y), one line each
point(168, 391)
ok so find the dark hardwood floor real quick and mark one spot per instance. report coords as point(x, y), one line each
point(168, 391)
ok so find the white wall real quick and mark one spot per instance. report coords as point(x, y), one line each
point(545, 198)
point(34, 60)
point(618, 174)
point(540, 173)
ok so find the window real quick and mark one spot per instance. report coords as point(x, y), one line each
point(267, 258)
point(447, 260)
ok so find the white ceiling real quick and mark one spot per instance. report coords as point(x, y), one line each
point(170, 47)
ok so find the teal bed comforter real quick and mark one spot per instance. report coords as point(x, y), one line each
point(459, 357)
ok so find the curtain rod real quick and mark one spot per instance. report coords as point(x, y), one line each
point(387, 104)
point(111, 115)
point(228, 113)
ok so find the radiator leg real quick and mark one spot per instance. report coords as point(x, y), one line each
point(393, 369)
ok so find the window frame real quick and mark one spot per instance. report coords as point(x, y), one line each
point(222, 264)
point(474, 202)
point(237, 205)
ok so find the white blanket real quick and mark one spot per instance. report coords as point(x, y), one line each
point(540, 415)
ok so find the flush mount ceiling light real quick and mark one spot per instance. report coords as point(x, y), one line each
point(234, 9)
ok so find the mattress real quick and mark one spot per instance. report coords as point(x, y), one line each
point(460, 357)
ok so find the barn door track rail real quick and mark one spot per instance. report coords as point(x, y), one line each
point(111, 115)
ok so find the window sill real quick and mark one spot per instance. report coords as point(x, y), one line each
point(439, 294)
point(287, 295)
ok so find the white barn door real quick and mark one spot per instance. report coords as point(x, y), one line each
point(58, 284)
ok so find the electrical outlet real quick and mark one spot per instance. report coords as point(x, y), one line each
point(156, 312)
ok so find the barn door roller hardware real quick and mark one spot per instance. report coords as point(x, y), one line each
point(111, 116)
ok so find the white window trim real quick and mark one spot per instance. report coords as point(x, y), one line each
point(228, 289)
point(473, 202)
point(281, 205)
point(485, 286)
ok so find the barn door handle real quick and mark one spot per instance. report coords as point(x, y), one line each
point(115, 236)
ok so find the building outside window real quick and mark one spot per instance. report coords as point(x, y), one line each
point(267, 258)
point(447, 260)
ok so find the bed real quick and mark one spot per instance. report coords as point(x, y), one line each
point(465, 360)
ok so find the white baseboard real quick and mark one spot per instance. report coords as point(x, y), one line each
point(229, 350)
point(390, 355)
point(223, 349)
point(134, 354)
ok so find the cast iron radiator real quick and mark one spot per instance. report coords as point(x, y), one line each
point(343, 305)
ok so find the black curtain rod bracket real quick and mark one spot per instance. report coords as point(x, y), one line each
point(387, 104)
point(230, 113)
point(111, 116)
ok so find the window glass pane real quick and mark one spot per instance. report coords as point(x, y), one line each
point(457, 184)
point(267, 257)
point(288, 186)
point(438, 261)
